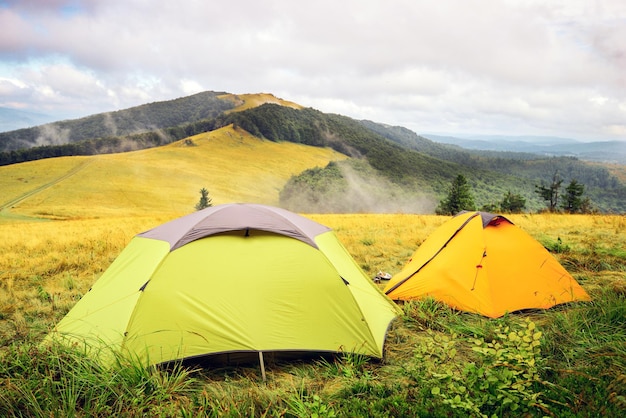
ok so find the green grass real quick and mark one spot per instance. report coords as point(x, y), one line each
point(438, 363)
point(61, 382)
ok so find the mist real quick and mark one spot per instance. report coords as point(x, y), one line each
point(51, 134)
point(361, 189)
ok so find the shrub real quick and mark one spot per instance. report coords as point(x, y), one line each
point(504, 377)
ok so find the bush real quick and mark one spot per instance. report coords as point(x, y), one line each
point(504, 377)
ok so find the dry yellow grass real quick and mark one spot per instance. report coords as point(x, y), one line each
point(381, 242)
point(600, 230)
point(247, 101)
point(46, 266)
point(20, 180)
point(233, 165)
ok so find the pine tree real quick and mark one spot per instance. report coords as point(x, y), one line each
point(550, 193)
point(459, 198)
point(573, 201)
point(513, 203)
point(205, 200)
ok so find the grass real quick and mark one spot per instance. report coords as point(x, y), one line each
point(231, 164)
point(437, 360)
point(248, 101)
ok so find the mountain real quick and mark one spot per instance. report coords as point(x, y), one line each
point(150, 117)
point(603, 151)
point(389, 168)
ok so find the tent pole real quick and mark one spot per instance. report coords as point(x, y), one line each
point(262, 365)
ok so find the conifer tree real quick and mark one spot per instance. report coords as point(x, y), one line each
point(573, 201)
point(513, 203)
point(205, 200)
point(550, 193)
point(459, 198)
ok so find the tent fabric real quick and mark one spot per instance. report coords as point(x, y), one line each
point(233, 278)
point(483, 263)
point(236, 217)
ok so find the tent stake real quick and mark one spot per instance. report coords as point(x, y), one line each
point(262, 365)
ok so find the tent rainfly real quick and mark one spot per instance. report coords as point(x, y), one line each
point(234, 278)
point(483, 263)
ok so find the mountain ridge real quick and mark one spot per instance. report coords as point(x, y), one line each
point(613, 151)
point(407, 164)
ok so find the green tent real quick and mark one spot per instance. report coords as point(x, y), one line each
point(234, 278)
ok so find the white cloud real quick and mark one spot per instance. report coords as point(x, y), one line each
point(526, 66)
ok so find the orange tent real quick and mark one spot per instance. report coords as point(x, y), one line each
point(481, 262)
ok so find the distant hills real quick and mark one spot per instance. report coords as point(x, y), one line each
point(390, 168)
point(13, 119)
point(603, 151)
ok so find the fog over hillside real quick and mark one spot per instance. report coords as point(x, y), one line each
point(362, 189)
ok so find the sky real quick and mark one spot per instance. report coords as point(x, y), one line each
point(454, 67)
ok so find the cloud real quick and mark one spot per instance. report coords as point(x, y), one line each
point(492, 66)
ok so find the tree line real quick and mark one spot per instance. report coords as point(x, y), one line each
point(570, 200)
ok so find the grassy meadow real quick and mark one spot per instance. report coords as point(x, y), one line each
point(64, 220)
point(438, 362)
point(231, 164)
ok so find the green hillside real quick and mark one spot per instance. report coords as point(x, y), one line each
point(604, 183)
point(233, 165)
point(402, 167)
point(145, 118)
point(394, 165)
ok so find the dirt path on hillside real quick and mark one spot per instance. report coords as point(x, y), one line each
point(5, 207)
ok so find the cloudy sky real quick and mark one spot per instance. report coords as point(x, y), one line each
point(515, 67)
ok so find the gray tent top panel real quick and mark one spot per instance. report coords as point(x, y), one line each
point(487, 217)
point(236, 217)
